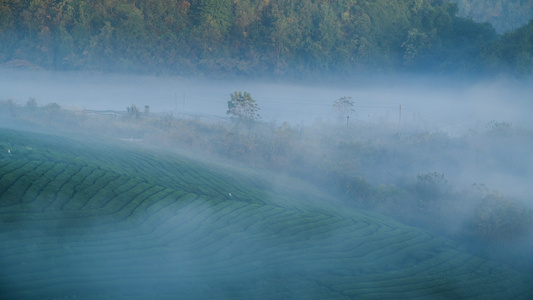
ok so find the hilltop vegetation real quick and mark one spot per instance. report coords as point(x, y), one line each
point(290, 38)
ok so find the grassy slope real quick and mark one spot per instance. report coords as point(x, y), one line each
point(85, 220)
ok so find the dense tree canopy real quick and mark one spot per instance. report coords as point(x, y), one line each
point(514, 50)
point(247, 37)
point(504, 15)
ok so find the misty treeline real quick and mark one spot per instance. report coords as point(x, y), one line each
point(504, 15)
point(294, 38)
point(417, 177)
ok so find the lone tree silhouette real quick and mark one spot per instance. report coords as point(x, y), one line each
point(242, 107)
point(343, 107)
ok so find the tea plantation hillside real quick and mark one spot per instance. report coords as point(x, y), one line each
point(86, 219)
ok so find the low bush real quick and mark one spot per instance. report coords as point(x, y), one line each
point(499, 218)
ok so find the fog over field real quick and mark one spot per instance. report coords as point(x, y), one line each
point(449, 104)
point(392, 104)
point(449, 159)
point(80, 219)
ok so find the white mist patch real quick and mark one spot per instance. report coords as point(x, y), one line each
point(401, 103)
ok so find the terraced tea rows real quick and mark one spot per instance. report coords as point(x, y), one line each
point(90, 220)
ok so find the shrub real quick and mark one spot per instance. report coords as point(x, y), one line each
point(499, 218)
point(133, 112)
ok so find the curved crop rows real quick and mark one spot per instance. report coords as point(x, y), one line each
point(91, 221)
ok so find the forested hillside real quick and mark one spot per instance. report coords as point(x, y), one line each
point(243, 38)
point(504, 15)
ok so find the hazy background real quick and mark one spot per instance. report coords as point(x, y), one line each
point(448, 104)
point(451, 107)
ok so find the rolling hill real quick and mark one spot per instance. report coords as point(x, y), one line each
point(83, 218)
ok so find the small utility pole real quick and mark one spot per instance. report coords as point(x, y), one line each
point(399, 119)
point(176, 100)
point(477, 158)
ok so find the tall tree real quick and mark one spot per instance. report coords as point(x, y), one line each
point(242, 107)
